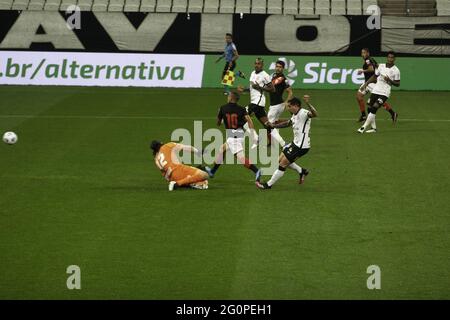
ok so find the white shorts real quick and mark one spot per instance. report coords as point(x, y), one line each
point(275, 112)
point(368, 89)
point(235, 145)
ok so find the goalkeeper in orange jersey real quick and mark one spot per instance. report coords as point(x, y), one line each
point(177, 173)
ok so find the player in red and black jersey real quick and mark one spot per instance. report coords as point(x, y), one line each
point(277, 103)
point(234, 117)
point(369, 66)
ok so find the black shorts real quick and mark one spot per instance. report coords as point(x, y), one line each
point(292, 152)
point(259, 111)
point(377, 98)
point(225, 68)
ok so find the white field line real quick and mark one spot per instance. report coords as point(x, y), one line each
point(25, 116)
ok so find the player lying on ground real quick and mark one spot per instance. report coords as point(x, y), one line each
point(369, 67)
point(301, 123)
point(234, 117)
point(260, 82)
point(386, 75)
point(177, 173)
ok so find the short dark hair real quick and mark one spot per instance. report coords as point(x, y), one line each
point(155, 145)
point(295, 101)
point(259, 59)
point(391, 53)
point(366, 49)
point(236, 95)
point(229, 35)
point(281, 62)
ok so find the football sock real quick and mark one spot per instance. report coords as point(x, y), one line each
point(214, 169)
point(276, 176)
point(387, 106)
point(369, 120)
point(276, 135)
point(295, 167)
point(362, 107)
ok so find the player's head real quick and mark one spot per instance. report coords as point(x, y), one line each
point(155, 145)
point(391, 57)
point(233, 97)
point(294, 105)
point(279, 66)
point(259, 64)
point(365, 53)
point(228, 37)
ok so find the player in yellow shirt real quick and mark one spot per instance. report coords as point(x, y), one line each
point(177, 173)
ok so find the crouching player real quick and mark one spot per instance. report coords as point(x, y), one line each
point(301, 124)
point(177, 173)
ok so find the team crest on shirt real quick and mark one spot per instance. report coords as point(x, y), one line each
point(290, 69)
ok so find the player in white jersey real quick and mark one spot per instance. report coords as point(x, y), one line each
point(301, 124)
point(260, 82)
point(386, 75)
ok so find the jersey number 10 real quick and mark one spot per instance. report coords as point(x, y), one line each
point(232, 120)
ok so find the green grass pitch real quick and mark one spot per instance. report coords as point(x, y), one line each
point(80, 188)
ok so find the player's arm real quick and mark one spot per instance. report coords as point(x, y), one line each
point(280, 124)
point(395, 83)
point(235, 54)
point(372, 79)
point(186, 148)
point(219, 117)
point(220, 57)
point(312, 112)
point(290, 93)
point(249, 121)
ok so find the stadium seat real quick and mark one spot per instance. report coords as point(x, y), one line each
point(259, 6)
point(20, 5)
point(147, 6)
point(163, 5)
point(353, 7)
point(131, 5)
point(5, 4)
point(211, 6)
point(226, 6)
point(179, 6)
point(52, 5)
point(443, 7)
point(290, 7)
point(366, 4)
point(100, 5)
point(66, 4)
point(242, 6)
point(275, 6)
point(195, 6)
point(338, 7)
point(307, 7)
point(84, 5)
point(36, 5)
point(116, 5)
point(323, 7)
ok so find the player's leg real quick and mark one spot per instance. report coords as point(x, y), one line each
point(273, 116)
point(362, 105)
point(283, 163)
point(188, 175)
point(226, 88)
point(246, 162)
point(388, 108)
point(252, 132)
point(374, 103)
point(218, 162)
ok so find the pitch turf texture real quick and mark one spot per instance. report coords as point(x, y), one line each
point(80, 188)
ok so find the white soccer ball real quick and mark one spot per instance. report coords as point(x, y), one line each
point(10, 137)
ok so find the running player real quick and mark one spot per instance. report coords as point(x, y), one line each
point(260, 82)
point(231, 55)
point(301, 124)
point(178, 174)
point(369, 67)
point(386, 75)
point(277, 105)
point(233, 117)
